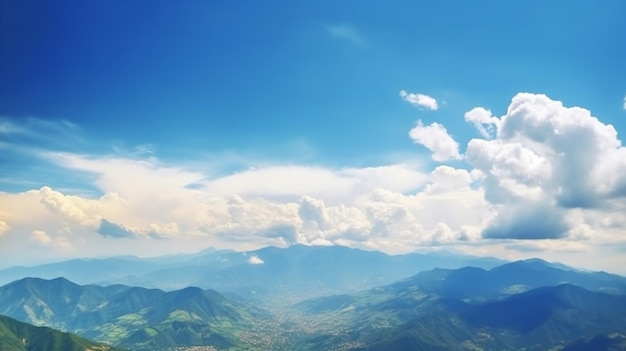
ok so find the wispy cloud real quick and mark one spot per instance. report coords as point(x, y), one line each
point(346, 33)
point(419, 100)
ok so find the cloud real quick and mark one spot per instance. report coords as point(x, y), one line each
point(484, 122)
point(4, 227)
point(435, 138)
point(419, 100)
point(346, 33)
point(545, 161)
point(114, 230)
point(527, 221)
point(32, 132)
point(539, 175)
point(7, 127)
point(254, 259)
point(41, 237)
point(624, 106)
point(336, 185)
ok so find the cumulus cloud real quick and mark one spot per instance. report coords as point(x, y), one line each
point(254, 259)
point(435, 138)
point(546, 159)
point(527, 221)
point(624, 106)
point(540, 172)
point(419, 100)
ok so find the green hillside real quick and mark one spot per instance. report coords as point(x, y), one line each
point(18, 336)
point(132, 317)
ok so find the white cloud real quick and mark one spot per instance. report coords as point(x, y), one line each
point(254, 259)
point(435, 138)
point(4, 227)
point(41, 237)
point(419, 100)
point(482, 119)
point(624, 106)
point(377, 213)
point(335, 185)
point(545, 161)
point(540, 171)
point(60, 243)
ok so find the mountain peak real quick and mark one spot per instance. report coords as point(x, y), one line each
point(533, 263)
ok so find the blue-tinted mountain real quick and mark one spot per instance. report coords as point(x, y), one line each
point(514, 277)
point(540, 319)
point(514, 306)
point(308, 270)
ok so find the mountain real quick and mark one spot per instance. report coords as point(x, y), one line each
point(540, 319)
point(18, 336)
point(295, 272)
point(509, 278)
point(530, 305)
point(518, 305)
point(137, 318)
point(83, 271)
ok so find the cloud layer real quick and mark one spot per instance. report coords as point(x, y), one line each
point(542, 176)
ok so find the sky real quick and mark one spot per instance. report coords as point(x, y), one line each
point(156, 127)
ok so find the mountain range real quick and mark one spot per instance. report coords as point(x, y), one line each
point(130, 316)
point(295, 270)
point(531, 305)
point(330, 298)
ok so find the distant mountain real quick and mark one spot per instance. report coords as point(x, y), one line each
point(83, 271)
point(509, 278)
point(540, 319)
point(297, 270)
point(18, 336)
point(137, 318)
point(529, 305)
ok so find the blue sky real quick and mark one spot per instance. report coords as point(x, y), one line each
point(275, 123)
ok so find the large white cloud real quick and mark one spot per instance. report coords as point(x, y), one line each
point(362, 207)
point(435, 138)
point(545, 160)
